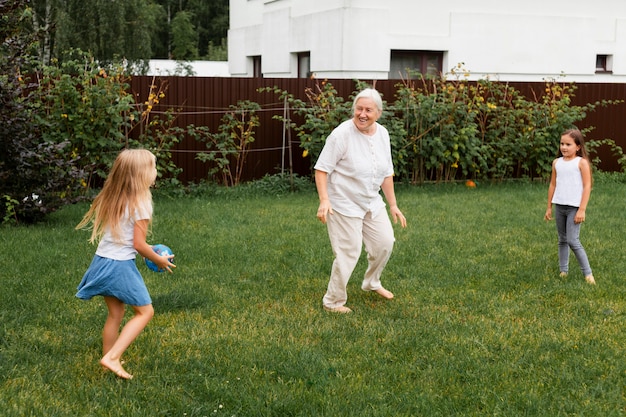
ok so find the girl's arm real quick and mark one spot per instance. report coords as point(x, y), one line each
point(551, 188)
point(145, 250)
point(390, 196)
point(585, 171)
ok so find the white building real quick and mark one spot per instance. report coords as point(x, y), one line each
point(507, 40)
point(188, 68)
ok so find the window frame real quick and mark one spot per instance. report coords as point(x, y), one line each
point(257, 69)
point(604, 64)
point(302, 58)
point(423, 56)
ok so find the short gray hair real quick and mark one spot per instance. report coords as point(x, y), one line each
point(371, 94)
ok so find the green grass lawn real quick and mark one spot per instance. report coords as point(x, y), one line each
point(482, 324)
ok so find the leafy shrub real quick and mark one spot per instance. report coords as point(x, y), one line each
point(324, 110)
point(157, 133)
point(36, 176)
point(617, 151)
point(279, 184)
point(227, 150)
point(448, 128)
point(79, 102)
point(483, 130)
point(63, 130)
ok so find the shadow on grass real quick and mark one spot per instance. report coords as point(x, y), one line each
point(182, 300)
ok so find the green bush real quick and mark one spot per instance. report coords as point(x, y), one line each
point(228, 149)
point(324, 110)
point(447, 128)
point(63, 135)
point(88, 106)
point(36, 176)
point(321, 113)
point(484, 130)
point(157, 133)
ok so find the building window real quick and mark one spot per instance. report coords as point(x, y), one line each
point(604, 64)
point(304, 65)
point(424, 62)
point(256, 67)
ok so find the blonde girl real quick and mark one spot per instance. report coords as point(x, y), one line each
point(569, 191)
point(119, 218)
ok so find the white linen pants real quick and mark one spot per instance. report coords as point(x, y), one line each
point(347, 235)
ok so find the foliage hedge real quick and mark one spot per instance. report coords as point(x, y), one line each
point(448, 128)
point(62, 129)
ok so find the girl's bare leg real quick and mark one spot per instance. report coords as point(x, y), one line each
point(131, 330)
point(112, 324)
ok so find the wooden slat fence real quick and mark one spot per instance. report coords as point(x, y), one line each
point(202, 101)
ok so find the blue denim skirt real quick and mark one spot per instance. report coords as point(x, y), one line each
point(119, 279)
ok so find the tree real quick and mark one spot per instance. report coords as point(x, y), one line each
point(184, 38)
point(110, 30)
point(134, 30)
point(210, 19)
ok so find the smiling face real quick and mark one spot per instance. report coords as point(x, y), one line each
point(568, 147)
point(365, 115)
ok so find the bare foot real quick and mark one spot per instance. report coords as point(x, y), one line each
point(115, 367)
point(385, 293)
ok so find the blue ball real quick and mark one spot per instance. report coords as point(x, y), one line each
point(161, 250)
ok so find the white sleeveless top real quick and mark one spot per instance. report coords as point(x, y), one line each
point(569, 182)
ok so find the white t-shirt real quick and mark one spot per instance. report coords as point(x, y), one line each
point(124, 248)
point(569, 182)
point(356, 165)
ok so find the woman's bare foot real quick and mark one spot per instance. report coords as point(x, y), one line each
point(115, 367)
point(385, 293)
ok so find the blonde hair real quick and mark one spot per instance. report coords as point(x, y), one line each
point(126, 189)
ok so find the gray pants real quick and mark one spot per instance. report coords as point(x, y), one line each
point(569, 239)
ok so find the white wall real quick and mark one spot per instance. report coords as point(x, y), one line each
point(524, 40)
point(192, 68)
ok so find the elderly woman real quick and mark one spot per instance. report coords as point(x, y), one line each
point(354, 165)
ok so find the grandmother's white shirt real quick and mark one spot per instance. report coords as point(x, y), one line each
point(356, 165)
